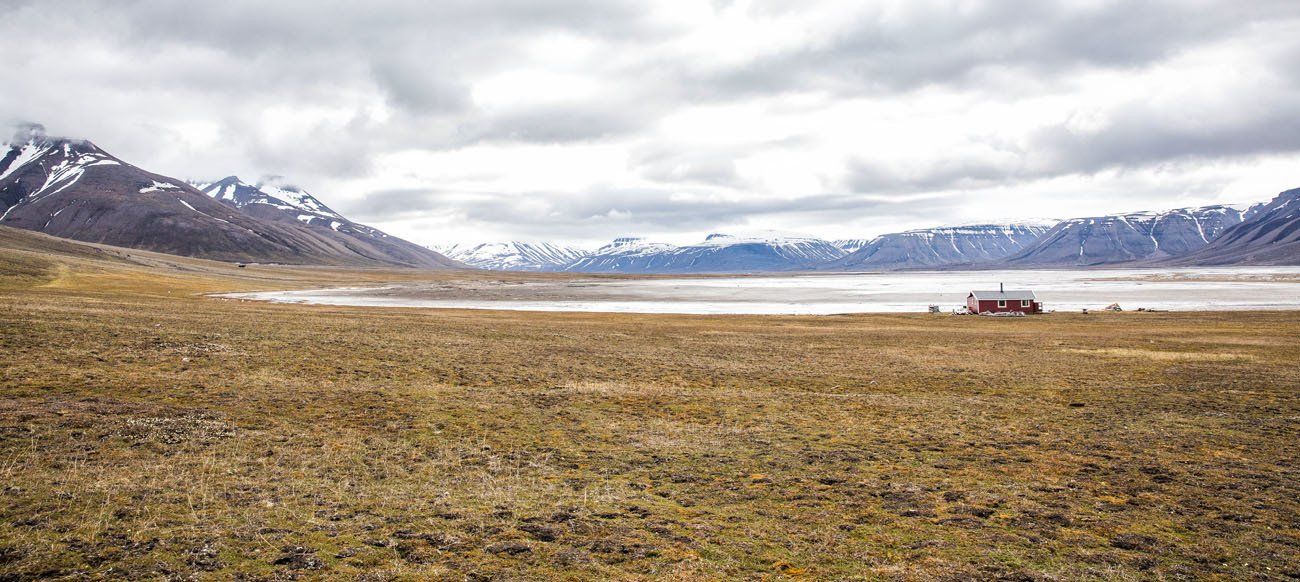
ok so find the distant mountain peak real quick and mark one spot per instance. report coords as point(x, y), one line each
point(514, 255)
point(275, 192)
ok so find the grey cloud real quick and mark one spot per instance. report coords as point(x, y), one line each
point(1138, 134)
point(552, 124)
point(606, 212)
point(1141, 135)
point(1049, 41)
point(1135, 137)
point(674, 163)
point(883, 53)
point(950, 173)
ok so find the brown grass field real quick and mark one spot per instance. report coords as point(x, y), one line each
point(150, 432)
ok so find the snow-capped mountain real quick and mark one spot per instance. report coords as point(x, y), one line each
point(718, 253)
point(1268, 235)
point(73, 189)
point(624, 255)
point(273, 193)
point(1119, 238)
point(274, 200)
point(941, 247)
point(515, 255)
point(35, 168)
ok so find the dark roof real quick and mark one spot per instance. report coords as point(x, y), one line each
point(1004, 295)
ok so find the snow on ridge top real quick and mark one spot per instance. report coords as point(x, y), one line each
point(1008, 229)
point(999, 223)
point(632, 241)
point(758, 237)
point(634, 245)
point(627, 240)
point(295, 196)
point(1156, 214)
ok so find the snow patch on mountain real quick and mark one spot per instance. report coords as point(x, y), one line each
point(158, 186)
point(850, 245)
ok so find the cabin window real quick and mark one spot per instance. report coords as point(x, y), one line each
point(1002, 303)
point(1024, 303)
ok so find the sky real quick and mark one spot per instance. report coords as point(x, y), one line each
point(579, 121)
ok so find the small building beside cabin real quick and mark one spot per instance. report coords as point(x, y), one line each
point(1003, 301)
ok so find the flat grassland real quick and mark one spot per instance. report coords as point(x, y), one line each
point(147, 431)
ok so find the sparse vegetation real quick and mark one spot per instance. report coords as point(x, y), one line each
point(147, 431)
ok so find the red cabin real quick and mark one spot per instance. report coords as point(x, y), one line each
point(1003, 301)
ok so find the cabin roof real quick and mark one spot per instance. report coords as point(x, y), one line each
point(1003, 295)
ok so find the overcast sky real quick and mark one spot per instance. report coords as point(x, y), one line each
point(579, 121)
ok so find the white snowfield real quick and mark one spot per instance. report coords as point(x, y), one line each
point(1200, 289)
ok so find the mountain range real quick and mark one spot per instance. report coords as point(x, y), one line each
point(73, 189)
point(1265, 234)
point(717, 253)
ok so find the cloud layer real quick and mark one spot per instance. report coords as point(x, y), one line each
point(582, 120)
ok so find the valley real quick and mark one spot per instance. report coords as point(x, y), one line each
point(151, 431)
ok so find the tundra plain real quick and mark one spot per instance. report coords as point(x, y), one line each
point(148, 430)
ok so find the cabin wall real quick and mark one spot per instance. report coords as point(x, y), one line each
point(991, 306)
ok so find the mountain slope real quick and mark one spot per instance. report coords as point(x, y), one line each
point(718, 253)
point(73, 189)
point(1141, 236)
point(940, 247)
point(1270, 235)
point(290, 206)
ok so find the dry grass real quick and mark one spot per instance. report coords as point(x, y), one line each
point(1190, 356)
point(146, 432)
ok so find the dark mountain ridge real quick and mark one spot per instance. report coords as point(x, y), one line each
point(73, 189)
